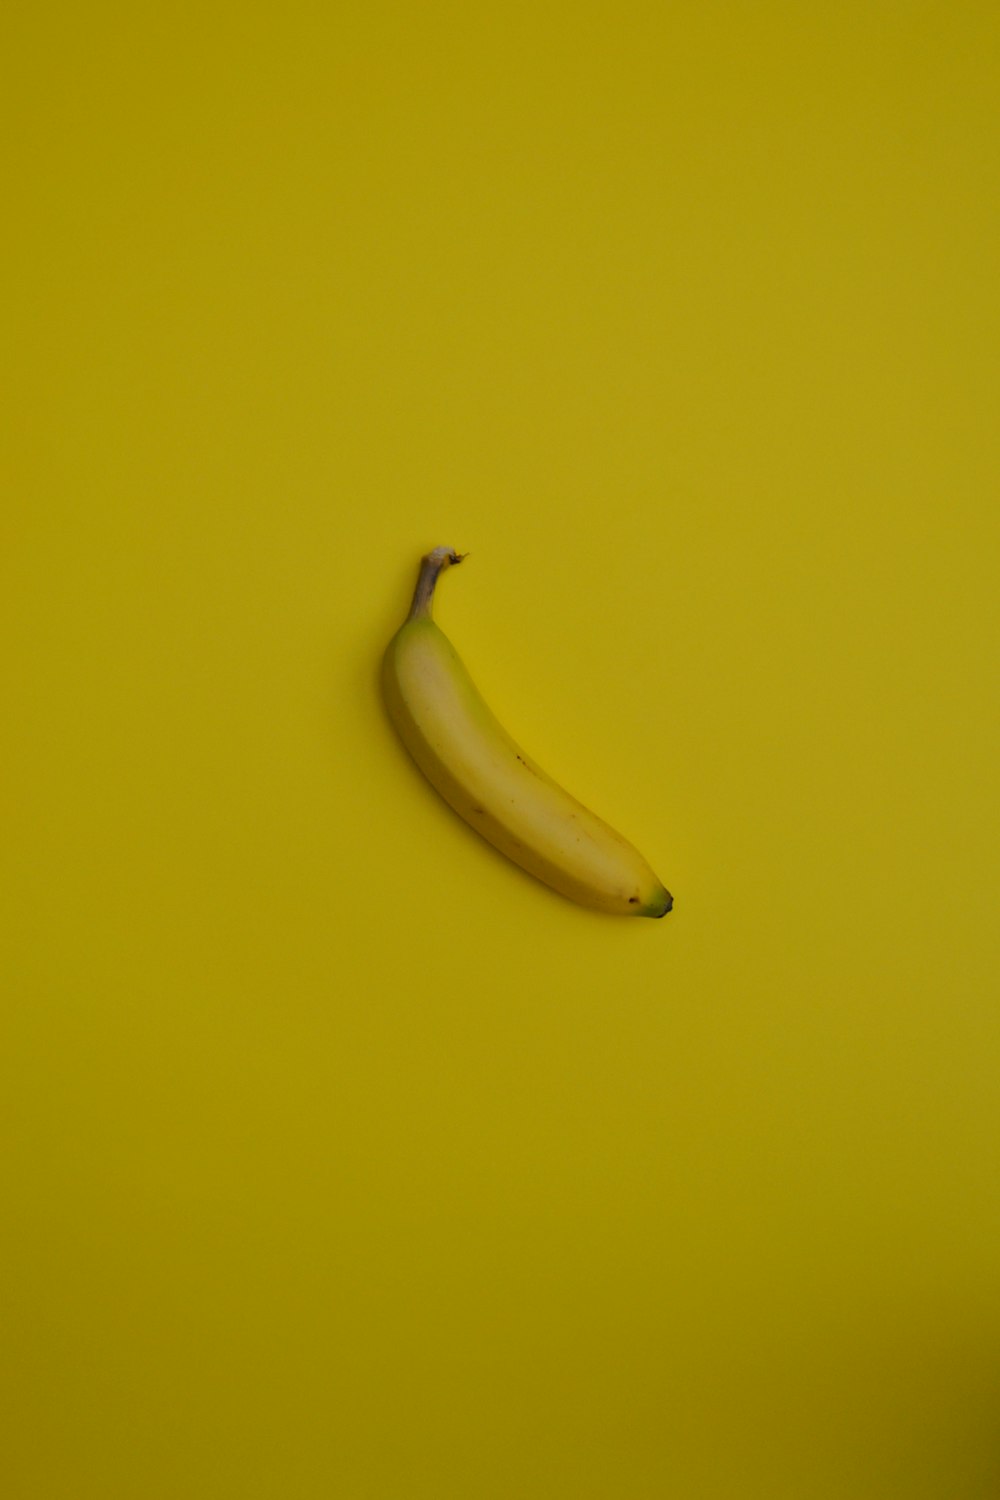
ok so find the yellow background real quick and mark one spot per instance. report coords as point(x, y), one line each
point(340, 1158)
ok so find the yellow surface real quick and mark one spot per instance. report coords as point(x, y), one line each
point(340, 1159)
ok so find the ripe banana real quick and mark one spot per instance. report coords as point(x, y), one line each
point(491, 782)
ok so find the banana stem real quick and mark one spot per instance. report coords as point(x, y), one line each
point(431, 568)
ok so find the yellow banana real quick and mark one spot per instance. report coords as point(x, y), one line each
point(491, 782)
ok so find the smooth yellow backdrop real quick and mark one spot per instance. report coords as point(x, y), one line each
point(340, 1159)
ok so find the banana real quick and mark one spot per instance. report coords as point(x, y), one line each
point(491, 782)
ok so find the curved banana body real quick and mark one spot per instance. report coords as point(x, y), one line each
point(491, 782)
